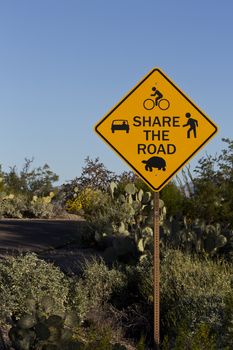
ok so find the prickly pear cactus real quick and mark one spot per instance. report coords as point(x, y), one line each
point(193, 237)
point(36, 332)
point(135, 232)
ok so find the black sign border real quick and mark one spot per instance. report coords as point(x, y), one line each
point(156, 189)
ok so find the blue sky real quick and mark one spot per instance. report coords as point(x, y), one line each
point(65, 63)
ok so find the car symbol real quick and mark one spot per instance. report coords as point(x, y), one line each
point(120, 124)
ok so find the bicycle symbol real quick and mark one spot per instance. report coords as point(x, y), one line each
point(150, 103)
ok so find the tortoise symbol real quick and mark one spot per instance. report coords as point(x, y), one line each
point(155, 162)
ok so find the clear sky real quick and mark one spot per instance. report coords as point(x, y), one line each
point(65, 63)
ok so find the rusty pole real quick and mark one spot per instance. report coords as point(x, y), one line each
point(156, 273)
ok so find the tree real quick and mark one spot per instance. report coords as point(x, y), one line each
point(94, 175)
point(210, 194)
point(37, 181)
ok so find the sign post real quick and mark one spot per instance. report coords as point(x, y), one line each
point(156, 272)
point(156, 129)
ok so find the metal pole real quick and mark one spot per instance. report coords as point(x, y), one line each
point(156, 273)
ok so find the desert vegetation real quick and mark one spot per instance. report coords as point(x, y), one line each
point(109, 304)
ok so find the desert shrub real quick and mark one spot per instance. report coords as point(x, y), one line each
point(199, 339)
point(40, 333)
point(30, 180)
point(130, 177)
point(120, 223)
point(193, 290)
point(13, 206)
point(31, 287)
point(41, 207)
point(227, 326)
point(82, 201)
point(25, 277)
point(208, 190)
point(95, 287)
point(19, 206)
point(173, 198)
point(105, 214)
point(94, 175)
point(1, 180)
point(41, 329)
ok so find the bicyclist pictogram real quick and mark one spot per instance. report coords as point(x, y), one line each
point(159, 101)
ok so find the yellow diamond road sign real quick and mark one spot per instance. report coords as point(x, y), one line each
point(156, 129)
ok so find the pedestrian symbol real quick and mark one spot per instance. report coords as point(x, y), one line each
point(156, 129)
point(193, 123)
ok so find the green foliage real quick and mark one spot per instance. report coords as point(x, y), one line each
point(94, 175)
point(41, 207)
point(37, 331)
point(95, 287)
point(122, 222)
point(193, 290)
point(209, 193)
point(173, 199)
point(228, 320)
point(82, 201)
point(138, 226)
point(19, 206)
point(103, 217)
point(193, 236)
point(141, 344)
point(25, 277)
point(27, 193)
point(38, 181)
point(101, 339)
point(199, 339)
point(12, 206)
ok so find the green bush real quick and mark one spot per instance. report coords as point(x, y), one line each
point(26, 277)
point(199, 339)
point(193, 290)
point(41, 208)
point(95, 287)
point(19, 206)
point(105, 213)
point(38, 331)
point(12, 206)
point(35, 292)
point(28, 180)
point(227, 326)
point(121, 223)
point(173, 199)
point(196, 299)
point(82, 201)
point(94, 175)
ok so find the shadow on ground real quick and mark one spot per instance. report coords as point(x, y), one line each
point(55, 241)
